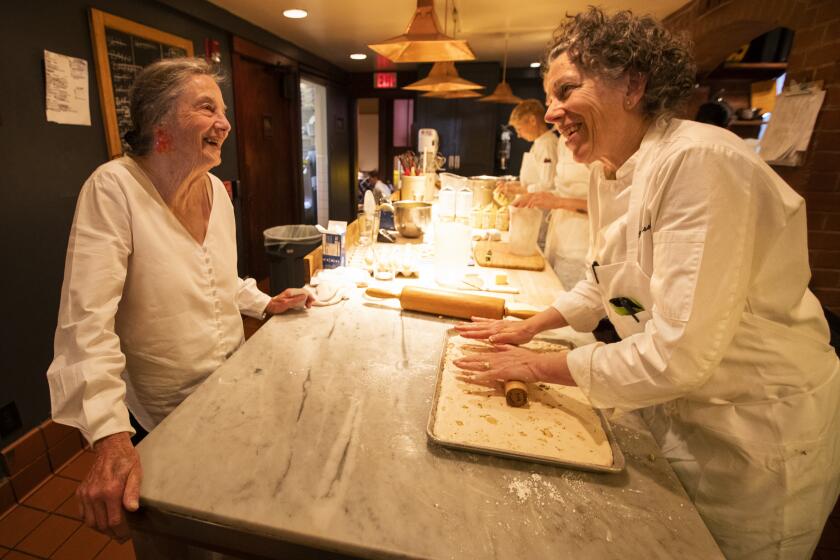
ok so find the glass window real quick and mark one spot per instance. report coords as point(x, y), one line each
point(313, 118)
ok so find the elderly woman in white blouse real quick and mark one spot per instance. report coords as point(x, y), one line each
point(151, 300)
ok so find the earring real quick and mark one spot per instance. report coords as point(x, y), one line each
point(162, 142)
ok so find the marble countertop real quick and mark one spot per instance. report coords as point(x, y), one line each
point(314, 433)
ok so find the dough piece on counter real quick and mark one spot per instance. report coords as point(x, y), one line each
point(557, 423)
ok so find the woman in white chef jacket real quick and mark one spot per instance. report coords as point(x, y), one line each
point(551, 180)
point(699, 259)
point(537, 170)
point(151, 301)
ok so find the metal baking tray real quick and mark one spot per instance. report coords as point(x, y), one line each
point(618, 456)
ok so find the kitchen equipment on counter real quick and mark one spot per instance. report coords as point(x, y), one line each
point(524, 230)
point(451, 304)
point(427, 140)
point(452, 252)
point(749, 113)
point(482, 187)
point(412, 217)
point(413, 187)
point(498, 254)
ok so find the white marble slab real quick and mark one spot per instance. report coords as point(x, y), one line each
point(314, 433)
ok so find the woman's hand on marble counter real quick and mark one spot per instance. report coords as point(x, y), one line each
point(113, 483)
point(511, 363)
point(499, 331)
point(288, 299)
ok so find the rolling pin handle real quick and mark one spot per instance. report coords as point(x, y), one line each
point(520, 313)
point(380, 293)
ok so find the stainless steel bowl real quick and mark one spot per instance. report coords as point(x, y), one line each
point(412, 218)
point(482, 187)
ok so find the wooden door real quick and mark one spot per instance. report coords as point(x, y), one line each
point(265, 86)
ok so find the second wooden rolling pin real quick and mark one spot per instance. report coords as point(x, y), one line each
point(451, 304)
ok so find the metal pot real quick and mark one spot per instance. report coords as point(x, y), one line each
point(482, 187)
point(412, 218)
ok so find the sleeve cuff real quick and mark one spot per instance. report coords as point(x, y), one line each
point(580, 317)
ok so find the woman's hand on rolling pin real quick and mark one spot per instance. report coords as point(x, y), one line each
point(497, 331)
point(288, 299)
point(513, 363)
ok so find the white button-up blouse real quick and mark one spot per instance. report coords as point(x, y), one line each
point(144, 306)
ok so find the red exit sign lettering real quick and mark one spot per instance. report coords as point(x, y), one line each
point(384, 80)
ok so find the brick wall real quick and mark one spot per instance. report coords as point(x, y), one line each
point(719, 27)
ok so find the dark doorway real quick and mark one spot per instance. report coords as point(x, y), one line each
point(265, 86)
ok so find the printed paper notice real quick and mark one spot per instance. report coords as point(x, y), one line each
point(67, 89)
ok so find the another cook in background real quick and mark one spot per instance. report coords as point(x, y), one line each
point(381, 191)
point(151, 300)
point(700, 260)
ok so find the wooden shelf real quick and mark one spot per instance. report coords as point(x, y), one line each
point(752, 71)
point(747, 123)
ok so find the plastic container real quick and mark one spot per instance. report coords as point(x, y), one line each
point(285, 247)
point(524, 230)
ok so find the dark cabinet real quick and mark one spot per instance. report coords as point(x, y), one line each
point(467, 128)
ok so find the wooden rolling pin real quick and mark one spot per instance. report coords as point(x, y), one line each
point(516, 393)
point(451, 304)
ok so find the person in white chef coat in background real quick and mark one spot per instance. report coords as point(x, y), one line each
point(699, 258)
point(151, 300)
point(556, 183)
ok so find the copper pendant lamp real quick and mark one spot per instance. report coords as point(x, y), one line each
point(443, 77)
point(462, 94)
point(423, 40)
point(503, 93)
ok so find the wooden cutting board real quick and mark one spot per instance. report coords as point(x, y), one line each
point(497, 254)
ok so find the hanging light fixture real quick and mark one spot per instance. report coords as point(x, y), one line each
point(443, 77)
point(503, 93)
point(462, 94)
point(423, 41)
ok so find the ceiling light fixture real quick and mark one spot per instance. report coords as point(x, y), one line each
point(503, 93)
point(358, 56)
point(443, 77)
point(535, 65)
point(295, 13)
point(423, 41)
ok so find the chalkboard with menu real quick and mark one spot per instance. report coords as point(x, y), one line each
point(122, 48)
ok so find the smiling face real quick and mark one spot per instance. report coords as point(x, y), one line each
point(589, 111)
point(197, 126)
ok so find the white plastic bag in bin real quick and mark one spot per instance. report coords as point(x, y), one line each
point(280, 236)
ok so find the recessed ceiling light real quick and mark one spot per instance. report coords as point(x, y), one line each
point(535, 65)
point(358, 56)
point(295, 13)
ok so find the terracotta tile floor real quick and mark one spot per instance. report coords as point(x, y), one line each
point(47, 525)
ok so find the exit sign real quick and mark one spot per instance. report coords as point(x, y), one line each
point(384, 80)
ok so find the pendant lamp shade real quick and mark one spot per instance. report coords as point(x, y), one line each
point(462, 94)
point(443, 77)
point(423, 40)
point(503, 93)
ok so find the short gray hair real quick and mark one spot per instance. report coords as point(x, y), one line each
point(528, 107)
point(609, 46)
point(153, 96)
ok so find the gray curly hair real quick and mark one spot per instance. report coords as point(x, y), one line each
point(153, 95)
point(609, 46)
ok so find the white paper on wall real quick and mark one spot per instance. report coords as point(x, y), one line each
point(67, 89)
point(791, 126)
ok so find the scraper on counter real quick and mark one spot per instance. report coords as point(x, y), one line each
point(450, 304)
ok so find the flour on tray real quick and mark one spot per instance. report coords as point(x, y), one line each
point(557, 424)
